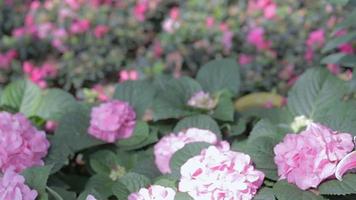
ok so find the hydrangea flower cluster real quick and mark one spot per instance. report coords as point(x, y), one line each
point(219, 173)
point(202, 100)
point(13, 187)
point(112, 120)
point(171, 143)
point(310, 157)
point(21, 144)
point(154, 192)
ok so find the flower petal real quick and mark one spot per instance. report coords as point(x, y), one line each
point(347, 163)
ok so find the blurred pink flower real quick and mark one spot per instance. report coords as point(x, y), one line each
point(140, 10)
point(38, 74)
point(316, 39)
point(202, 100)
point(346, 48)
point(13, 187)
point(171, 143)
point(174, 13)
point(245, 59)
point(310, 157)
point(209, 22)
point(7, 58)
point(268, 7)
point(90, 197)
point(51, 125)
point(333, 68)
point(256, 37)
point(101, 93)
point(80, 26)
point(287, 72)
point(157, 49)
point(227, 40)
point(112, 120)
point(309, 55)
point(219, 173)
point(73, 4)
point(126, 75)
point(100, 31)
point(153, 192)
point(21, 144)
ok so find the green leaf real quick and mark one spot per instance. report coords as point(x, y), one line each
point(218, 75)
point(166, 181)
point(140, 134)
point(54, 104)
point(315, 90)
point(224, 111)
point(238, 129)
point(182, 196)
point(335, 42)
point(57, 193)
point(198, 121)
point(346, 23)
point(102, 162)
point(131, 182)
point(265, 194)
point(285, 191)
point(173, 97)
point(182, 155)
point(336, 187)
point(338, 2)
point(139, 94)
point(102, 184)
point(340, 58)
point(93, 192)
point(146, 165)
point(36, 178)
point(22, 95)
point(70, 136)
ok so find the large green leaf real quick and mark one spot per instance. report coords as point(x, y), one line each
point(182, 155)
point(182, 196)
point(139, 94)
point(265, 194)
point(103, 162)
point(129, 183)
point(54, 104)
point(285, 191)
point(224, 111)
point(336, 187)
point(140, 134)
point(340, 58)
point(333, 43)
point(36, 178)
point(349, 21)
point(218, 75)
point(102, 184)
point(316, 90)
point(172, 98)
point(22, 95)
point(70, 136)
point(198, 121)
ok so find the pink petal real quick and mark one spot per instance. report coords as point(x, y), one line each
point(347, 163)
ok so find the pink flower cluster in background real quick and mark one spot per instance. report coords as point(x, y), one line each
point(112, 120)
point(256, 38)
point(219, 173)
point(38, 74)
point(126, 75)
point(7, 58)
point(308, 158)
point(153, 192)
point(314, 41)
point(13, 187)
point(21, 144)
point(268, 7)
point(171, 143)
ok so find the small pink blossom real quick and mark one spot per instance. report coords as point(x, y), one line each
point(140, 10)
point(308, 158)
point(268, 7)
point(157, 49)
point(99, 89)
point(209, 22)
point(100, 31)
point(219, 173)
point(80, 26)
point(112, 120)
point(21, 144)
point(7, 58)
point(13, 187)
point(126, 75)
point(51, 125)
point(90, 197)
point(287, 72)
point(227, 40)
point(256, 38)
point(153, 192)
point(171, 143)
point(309, 55)
point(245, 59)
point(74, 4)
point(333, 68)
point(170, 26)
point(316, 39)
point(174, 13)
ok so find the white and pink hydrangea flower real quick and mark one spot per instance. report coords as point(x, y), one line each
point(219, 173)
point(308, 158)
point(21, 144)
point(171, 143)
point(112, 121)
point(153, 192)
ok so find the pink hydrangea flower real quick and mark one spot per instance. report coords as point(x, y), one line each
point(21, 144)
point(154, 192)
point(140, 10)
point(100, 31)
point(7, 58)
point(112, 120)
point(256, 38)
point(245, 59)
point(316, 38)
point(80, 26)
point(268, 7)
point(13, 187)
point(202, 100)
point(209, 22)
point(310, 157)
point(171, 143)
point(219, 173)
